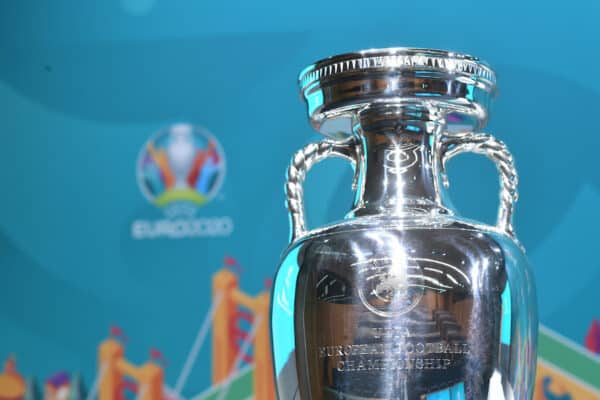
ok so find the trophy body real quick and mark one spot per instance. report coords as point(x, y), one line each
point(404, 299)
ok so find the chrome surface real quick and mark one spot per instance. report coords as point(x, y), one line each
point(334, 88)
point(301, 163)
point(404, 299)
point(496, 151)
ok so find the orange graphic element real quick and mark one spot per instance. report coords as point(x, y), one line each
point(226, 333)
point(554, 384)
point(162, 161)
point(12, 384)
point(113, 368)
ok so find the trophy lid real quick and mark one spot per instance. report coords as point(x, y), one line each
point(337, 87)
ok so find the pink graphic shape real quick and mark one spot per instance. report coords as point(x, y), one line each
point(592, 340)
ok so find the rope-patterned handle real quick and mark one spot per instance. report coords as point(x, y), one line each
point(303, 160)
point(496, 151)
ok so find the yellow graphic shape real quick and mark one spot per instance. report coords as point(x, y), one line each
point(114, 367)
point(180, 195)
point(560, 385)
point(12, 384)
point(162, 161)
point(225, 286)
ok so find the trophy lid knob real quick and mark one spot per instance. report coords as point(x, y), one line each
point(337, 87)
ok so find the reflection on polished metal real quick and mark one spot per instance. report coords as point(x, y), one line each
point(403, 299)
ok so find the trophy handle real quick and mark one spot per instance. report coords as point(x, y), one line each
point(303, 160)
point(495, 150)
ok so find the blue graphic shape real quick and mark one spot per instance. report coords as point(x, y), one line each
point(153, 179)
point(552, 396)
point(441, 395)
point(207, 176)
point(505, 335)
point(457, 392)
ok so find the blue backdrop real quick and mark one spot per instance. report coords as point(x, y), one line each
point(83, 87)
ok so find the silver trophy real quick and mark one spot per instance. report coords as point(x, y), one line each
point(404, 298)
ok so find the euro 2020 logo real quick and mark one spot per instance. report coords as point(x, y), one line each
point(180, 169)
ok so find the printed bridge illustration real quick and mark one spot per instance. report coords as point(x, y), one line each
point(241, 358)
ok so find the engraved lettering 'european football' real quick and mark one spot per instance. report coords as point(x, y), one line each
point(406, 348)
point(401, 356)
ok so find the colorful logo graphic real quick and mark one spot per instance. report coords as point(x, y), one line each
point(182, 163)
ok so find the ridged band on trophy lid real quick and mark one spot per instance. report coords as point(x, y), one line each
point(337, 87)
point(398, 58)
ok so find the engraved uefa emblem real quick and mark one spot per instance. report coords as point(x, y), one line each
point(391, 288)
point(402, 158)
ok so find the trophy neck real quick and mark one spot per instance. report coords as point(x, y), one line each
point(400, 164)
